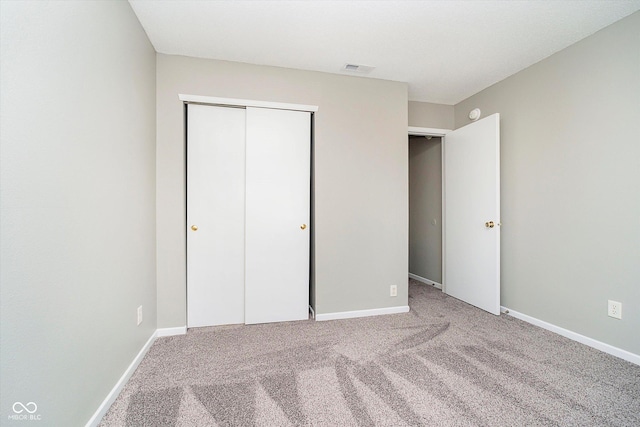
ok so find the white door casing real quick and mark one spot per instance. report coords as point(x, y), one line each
point(215, 205)
point(278, 151)
point(471, 192)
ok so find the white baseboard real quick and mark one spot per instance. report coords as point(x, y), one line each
point(614, 351)
point(362, 313)
point(169, 332)
point(425, 281)
point(115, 391)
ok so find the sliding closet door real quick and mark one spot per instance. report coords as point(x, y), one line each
point(215, 215)
point(277, 215)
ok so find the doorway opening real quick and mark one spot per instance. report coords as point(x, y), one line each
point(425, 209)
point(470, 210)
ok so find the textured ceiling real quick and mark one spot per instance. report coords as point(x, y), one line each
point(445, 50)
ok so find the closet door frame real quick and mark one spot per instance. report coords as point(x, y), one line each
point(232, 102)
point(243, 103)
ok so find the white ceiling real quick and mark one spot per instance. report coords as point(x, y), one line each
point(445, 50)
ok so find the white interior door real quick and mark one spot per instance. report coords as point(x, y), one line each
point(278, 148)
point(471, 162)
point(216, 207)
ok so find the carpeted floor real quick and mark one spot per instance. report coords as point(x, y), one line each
point(444, 363)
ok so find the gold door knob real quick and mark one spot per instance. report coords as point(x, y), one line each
point(489, 224)
point(194, 227)
point(303, 226)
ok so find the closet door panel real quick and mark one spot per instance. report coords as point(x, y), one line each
point(216, 207)
point(277, 215)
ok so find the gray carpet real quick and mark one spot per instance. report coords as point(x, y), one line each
point(444, 363)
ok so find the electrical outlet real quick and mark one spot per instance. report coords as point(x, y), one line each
point(139, 315)
point(393, 291)
point(615, 309)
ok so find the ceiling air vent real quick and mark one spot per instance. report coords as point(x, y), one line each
point(355, 68)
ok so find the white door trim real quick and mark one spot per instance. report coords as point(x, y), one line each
point(420, 131)
point(443, 217)
point(233, 102)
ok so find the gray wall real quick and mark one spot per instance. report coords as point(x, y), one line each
point(425, 205)
point(78, 203)
point(570, 128)
point(428, 115)
point(360, 171)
